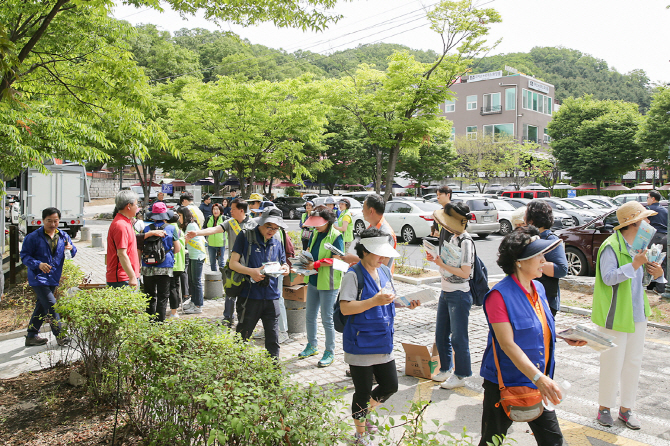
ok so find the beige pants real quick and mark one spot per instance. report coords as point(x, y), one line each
point(620, 367)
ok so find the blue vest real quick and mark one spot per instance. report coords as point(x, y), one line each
point(370, 332)
point(527, 335)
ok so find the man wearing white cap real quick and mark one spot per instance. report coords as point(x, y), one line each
point(621, 309)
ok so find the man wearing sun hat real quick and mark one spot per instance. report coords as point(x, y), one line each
point(621, 309)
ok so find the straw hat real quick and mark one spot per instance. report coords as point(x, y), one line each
point(632, 212)
point(453, 221)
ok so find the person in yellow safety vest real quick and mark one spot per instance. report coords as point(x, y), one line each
point(323, 287)
point(216, 242)
point(345, 223)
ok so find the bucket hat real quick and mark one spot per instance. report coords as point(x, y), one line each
point(379, 246)
point(159, 211)
point(271, 215)
point(255, 197)
point(632, 212)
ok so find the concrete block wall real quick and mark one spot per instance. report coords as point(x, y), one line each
point(102, 188)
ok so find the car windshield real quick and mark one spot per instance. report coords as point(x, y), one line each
point(581, 204)
point(503, 206)
point(427, 207)
point(565, 204)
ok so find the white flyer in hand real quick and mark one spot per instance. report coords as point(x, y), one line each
point(430, 248)
point(424, 295)
point(272, 269)
point(340, 265)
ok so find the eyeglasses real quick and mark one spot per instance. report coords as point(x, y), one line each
point(272, 229)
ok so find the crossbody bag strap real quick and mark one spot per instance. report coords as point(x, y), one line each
point(501, 384)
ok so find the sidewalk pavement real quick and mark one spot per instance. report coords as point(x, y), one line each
point(459, 407)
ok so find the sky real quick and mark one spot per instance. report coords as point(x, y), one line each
point(627, 35)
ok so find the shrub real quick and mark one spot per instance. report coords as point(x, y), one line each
point(99, 321)
point(71, 277)
point(190, 382)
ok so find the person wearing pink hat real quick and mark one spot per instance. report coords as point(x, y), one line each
point(157, 271)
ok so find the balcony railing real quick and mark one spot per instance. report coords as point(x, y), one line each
point(490, 110)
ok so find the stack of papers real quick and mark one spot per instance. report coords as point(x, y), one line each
point(333, 249)
point(451, 256)
point(272, 269)
point(299, 262)
point(654, 254)
point(595, 339)
point(643, 237)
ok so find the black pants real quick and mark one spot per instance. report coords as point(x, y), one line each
point(250, 311)
point(158, 289)
point(387, 377)
point(496, 422)
point(178, 290)
point(661, 239)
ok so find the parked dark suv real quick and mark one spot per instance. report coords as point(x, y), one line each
point(290, 206)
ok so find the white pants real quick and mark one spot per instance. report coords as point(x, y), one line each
point(620, 366)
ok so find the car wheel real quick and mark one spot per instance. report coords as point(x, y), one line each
point(359, 227)
point(505, 227)
point(483, 235)
point(291, 214)
point(408, 235)
point(576, 262)
point(575, 220)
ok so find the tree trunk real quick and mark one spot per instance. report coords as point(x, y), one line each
point(242, 181)
point(378, 172)
point(597, 187)
point(390, 171)
point(217, 181)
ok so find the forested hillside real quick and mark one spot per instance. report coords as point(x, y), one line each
point(208, 54)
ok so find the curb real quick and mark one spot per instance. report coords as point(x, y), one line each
point(413, 281)
point(587, 312)
point(22, 332)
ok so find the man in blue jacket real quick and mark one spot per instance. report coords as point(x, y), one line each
point(43, 253)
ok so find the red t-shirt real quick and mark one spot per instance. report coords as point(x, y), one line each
point(121, 236)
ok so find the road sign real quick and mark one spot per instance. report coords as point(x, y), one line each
point(572, 193)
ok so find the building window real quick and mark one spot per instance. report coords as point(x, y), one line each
point(547, 138)
point(453, 133)
point(536, 102)
point(498, 131)
point(530, 133)
point(510, 99)
point(471, 132)
point(449, 106)
point(472, 102)
point(492, 103)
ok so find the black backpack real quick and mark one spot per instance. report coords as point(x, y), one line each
point(479, 283)
point(153, 252)
point(340, 320)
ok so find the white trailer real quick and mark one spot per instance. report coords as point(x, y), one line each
point(65, 188)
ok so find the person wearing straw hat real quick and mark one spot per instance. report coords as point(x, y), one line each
point(521, 340)
point(621, 309)
point(453, 308)
point(367, 338)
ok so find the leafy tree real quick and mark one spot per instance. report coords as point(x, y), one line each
point(595, 140)
point(654, 133)
point(399, 108)
point(480, 159)
point(435, 159)
point(526, 162)
point(243, 125)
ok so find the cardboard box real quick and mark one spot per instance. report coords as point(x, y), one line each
point(296, 292)
point(294, 279)
point(421, 362)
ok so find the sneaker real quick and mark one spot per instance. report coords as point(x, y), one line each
point(188, 303)
point(631, 420)
point(284, 338)
point(453, 382)
point(308, 351)
point(33, 342)
point(62, 342)
point(172, 315)
point(227, 322)
point(359, 439)
point(258, 334)
point(328, 358)
point(442, 376)
point(605, 418)
point(193, 310)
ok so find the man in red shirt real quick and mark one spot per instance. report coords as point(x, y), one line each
point(123, 264)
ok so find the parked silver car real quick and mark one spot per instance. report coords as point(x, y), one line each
point(561, 220)
point(484, 221)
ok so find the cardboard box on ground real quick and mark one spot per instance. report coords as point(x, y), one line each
point(294, 279)
point(421, 362)
point(296, 293)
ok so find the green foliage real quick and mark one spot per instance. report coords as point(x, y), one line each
point(595, 140)
point(190, 382)
point(654, 133)
point(574, 74)
point(100, 321)
point(433, 161)
point(71, 277)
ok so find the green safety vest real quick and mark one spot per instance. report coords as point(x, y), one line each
point(613, 305)
point(216, 240)
point(348, 235)
point(328, 277)
point(180, 257)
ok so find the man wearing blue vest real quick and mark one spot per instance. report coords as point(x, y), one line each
point(254, 249)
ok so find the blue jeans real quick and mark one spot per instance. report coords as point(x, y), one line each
point(325, 299)
point(214, 252)
point(44, 308)
point(451, 330)
point(117, 284)
point(195, 281)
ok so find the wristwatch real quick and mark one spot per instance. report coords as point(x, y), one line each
point(536, 378)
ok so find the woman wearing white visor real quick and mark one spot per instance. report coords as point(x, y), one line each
point(368, 333)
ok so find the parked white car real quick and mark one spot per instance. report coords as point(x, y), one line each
point(505, 211)
point(410, 220)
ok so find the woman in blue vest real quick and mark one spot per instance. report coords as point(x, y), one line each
point(157, 277)
point(521, 329)
point(323, 287)
point(368, 334)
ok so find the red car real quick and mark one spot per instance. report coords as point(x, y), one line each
point(582, 243)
